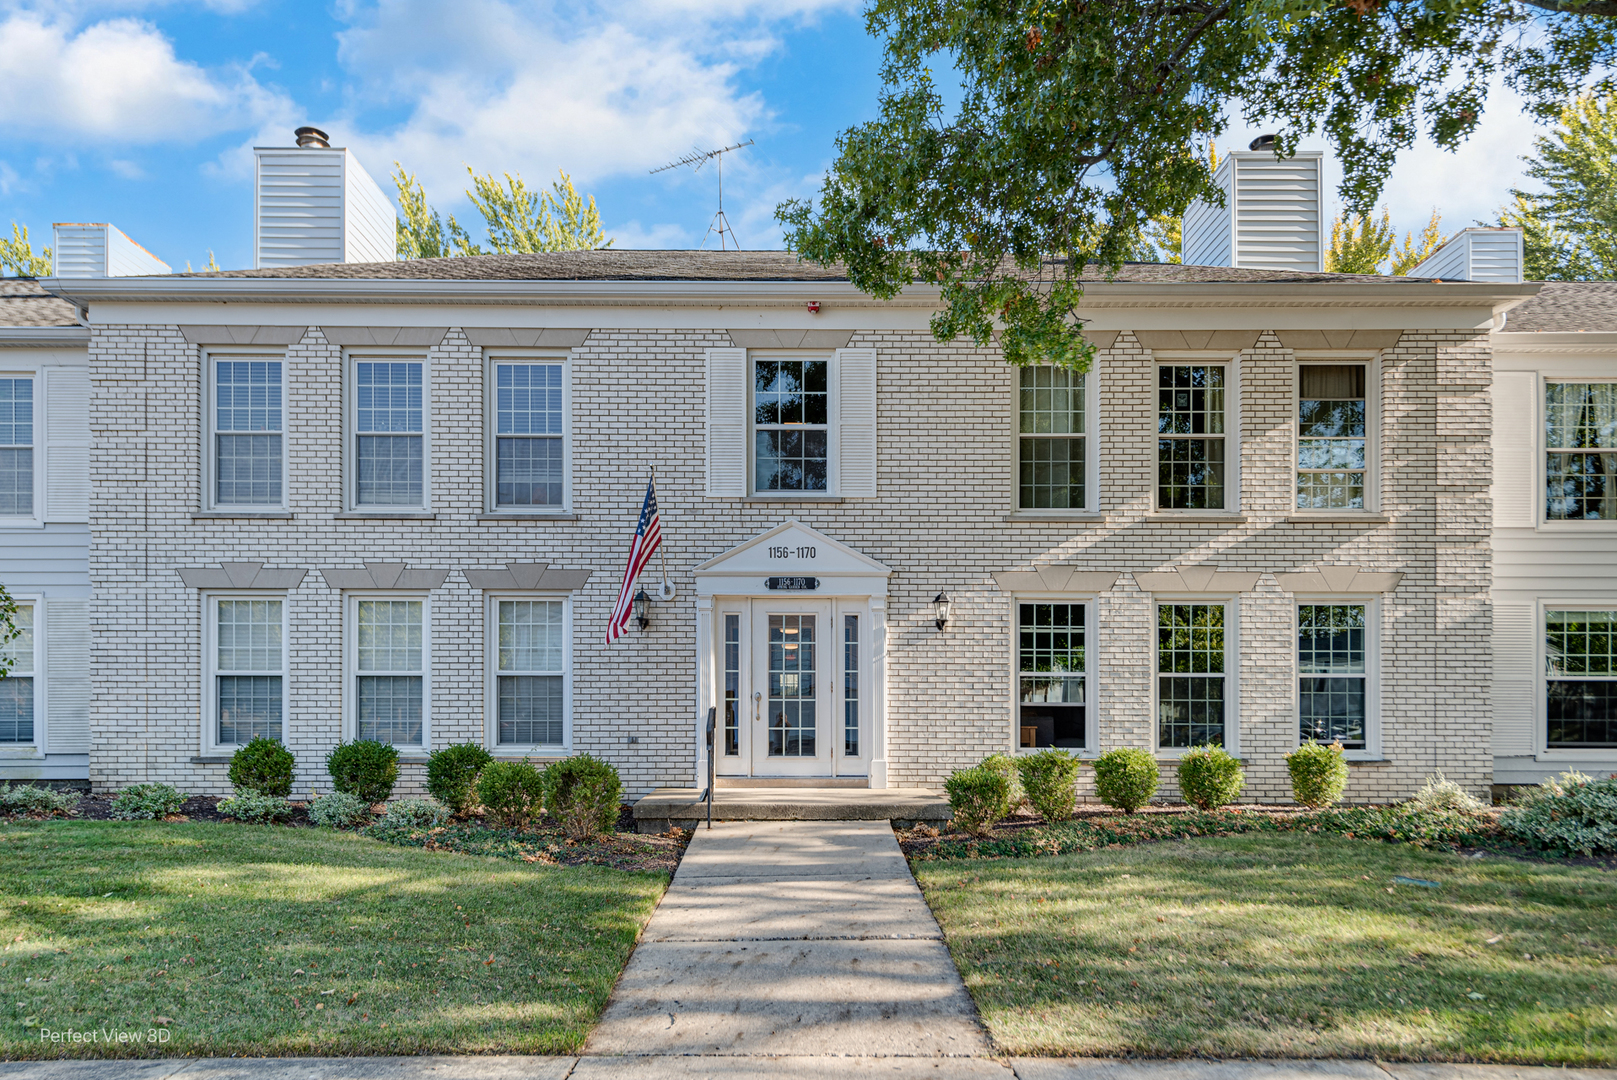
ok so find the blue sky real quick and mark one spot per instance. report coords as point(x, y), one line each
point(144, 112)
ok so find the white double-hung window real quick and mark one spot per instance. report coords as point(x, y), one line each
point(247, 425)
point(388, 668)
point(528, 410)
point(791, 407)
point(1580, 440)
point(530, 689)
point(1336, 698)
point(1195, 700)
point(1052, 440)
point(1193, 437)
point(1580, 675)
point(17, 447)
point(247, 669)
point(389, 433)
point(17, 686)
point(1333, 437)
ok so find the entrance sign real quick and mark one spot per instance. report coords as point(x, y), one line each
point(792, 584)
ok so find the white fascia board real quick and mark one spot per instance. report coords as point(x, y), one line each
point(45, 337)
point(1599, 343)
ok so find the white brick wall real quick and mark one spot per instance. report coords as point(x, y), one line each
point(946, 484)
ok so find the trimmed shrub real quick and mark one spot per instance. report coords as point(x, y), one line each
point(1209, 777)
point(340, 810)
point(452, 773)
point(38, 801)
point(1126, 778)
point(1005, 765)
point(147, 802)
point(256, 807)
point(582, 793)
point(411, 814)
point(980, 797)
point(1318, 774)
point(511, 792)
point(365, 768)
point(1050, 779)
point(263, 766)
point(1439, 793)
point(1570, 815)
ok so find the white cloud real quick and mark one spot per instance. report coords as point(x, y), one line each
point(633, 236)
point(117, 81)
point(129, 170)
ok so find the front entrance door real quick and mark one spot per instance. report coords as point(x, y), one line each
point(793, 690)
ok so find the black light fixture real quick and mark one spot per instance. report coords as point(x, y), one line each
point(642, 609)
point(940, 610)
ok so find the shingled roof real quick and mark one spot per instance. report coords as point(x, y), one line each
point(24, 303)
point(1566, 306)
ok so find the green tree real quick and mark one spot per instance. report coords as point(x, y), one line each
point(519, 220)
point(17, 255)
point(421, 232)
point(8, 630)
point(1414, 250)
point(1361, 244)
point(1077, 123)
point(1570, 228)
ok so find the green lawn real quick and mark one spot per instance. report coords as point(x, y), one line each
point(267, 940)
point(1288, 945)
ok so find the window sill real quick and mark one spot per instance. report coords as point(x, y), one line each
point(1343, 517)
point(788, 497)
point(269, 515)
point(1219, 518)
point(376, 515)
point(211, 759)
point(541, 753)
point(527, 517)
point(20, 523)
point(1055, 515)
point(20, 753)
point(1351, 760)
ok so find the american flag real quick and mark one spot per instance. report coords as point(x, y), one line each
point(648, 535)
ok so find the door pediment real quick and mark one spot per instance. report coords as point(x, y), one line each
point(792, 549)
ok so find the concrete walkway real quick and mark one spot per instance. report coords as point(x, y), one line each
point(791, 938)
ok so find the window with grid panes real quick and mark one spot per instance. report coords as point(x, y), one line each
point(389, 462)
point(249, 667)
point(1332, 698)
point(529, 462)
point(1190, 675)
point(1050, 673)
point(791, 416)
point(17, 688)
point(389, 637)
point(16, 448)
point(247, 426)
point(850, 685)
point(1052, 439)
point(1580, 659)
point(732, 685)
point(532, 672)
point(1330, 436)
point(1190, 437)
point(1580, 439)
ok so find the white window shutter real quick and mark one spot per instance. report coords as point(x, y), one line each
point(856, 423)
point(67, 676)
point(67, 444)
point(1515, 679)
point(726, 423)
point(1516, 453)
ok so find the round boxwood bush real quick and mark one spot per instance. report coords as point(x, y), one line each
point(583, 793)
point(1209, 777)
point(980, 797)
point(1318, 774)
point(452, 772)
point(1050, 779)
point(511, 792)
point(1005, 765)
point(263, 766)
point(365, 768)
point(1126, 778)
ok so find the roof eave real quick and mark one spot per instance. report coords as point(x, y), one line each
point(18, 337)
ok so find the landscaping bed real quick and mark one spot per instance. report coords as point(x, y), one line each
point(263, 940)
point(1273, 940)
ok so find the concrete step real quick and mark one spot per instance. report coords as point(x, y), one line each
point(683, 806)
point(791, 782)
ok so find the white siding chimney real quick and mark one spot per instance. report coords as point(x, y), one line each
point(81, 250)
point(1476, 254)
point(1272, 217)
point(316, 204)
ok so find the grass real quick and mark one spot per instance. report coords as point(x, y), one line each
point(261, 940)
point(1290, 945)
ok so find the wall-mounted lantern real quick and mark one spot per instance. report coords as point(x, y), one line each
point(642, 609)
point(940, 610)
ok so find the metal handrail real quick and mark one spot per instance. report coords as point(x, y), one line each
point(712, 713)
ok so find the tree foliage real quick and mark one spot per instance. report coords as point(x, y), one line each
point(1078, 122)
point(17, 255)
point(8, 631)
point(1361, 244)
point(1570, 227)
point(518, 219)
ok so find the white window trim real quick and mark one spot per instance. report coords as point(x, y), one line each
point(1541, 452)
point(1232, 670)
point(211, 746)
point(39, 747)
point(36, 520)
point(350, 667)
point(833, 416)
point(1372, 430)
point(491, 679)
point(210, 420)
point(492, 357)
point(1092, 442)
point(1372, 670)
point(1232, 429)
point(1091, 693)
point(350, 427)
point(1541, 704)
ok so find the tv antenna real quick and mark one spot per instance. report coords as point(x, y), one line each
point(696, 159)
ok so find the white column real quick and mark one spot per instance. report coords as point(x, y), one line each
point(705, 696)
point(878, 691)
